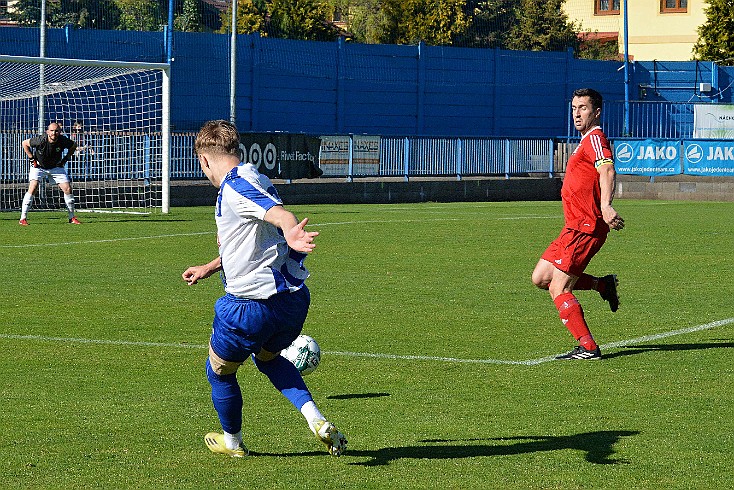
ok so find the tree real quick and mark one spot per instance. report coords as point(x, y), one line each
point(251, 17)
point(716, 35)
point(139, 15)
point(301, 19)
point(27, 13)
point(290, 19)
point(364, 19)
point(100, 14)
point(592, 48)
point(542, 26)
point(490, 23)
point(436, 22)
point(189, 20)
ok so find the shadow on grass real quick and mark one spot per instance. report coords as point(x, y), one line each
point(632, 350)
point(598, 448)
point(351, 396)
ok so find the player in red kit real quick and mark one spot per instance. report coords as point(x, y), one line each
point(587, 194)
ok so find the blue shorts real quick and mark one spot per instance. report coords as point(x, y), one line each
point(242, 327)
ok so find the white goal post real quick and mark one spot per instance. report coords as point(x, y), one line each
point(118, 113)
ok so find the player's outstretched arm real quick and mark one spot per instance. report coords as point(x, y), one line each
point(294, 232)
point(193, 274)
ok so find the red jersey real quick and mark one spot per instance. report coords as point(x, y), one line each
point(581, 193)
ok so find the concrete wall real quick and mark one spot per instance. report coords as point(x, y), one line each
point(387, 191)
point(677, 187)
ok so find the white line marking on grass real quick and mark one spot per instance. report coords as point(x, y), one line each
point(108, 240)
point(645, 338)
point(311, 225)
point(73, 340)
point(529, 362)
point(424, 358)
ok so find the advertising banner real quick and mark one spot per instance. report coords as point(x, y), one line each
point(334, 155)
point(715, 158)
point(647, 157)
point(714, 121)
point(282, 155)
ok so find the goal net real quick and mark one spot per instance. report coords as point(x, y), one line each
point(116, 112)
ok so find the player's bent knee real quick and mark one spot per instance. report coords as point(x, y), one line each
point(266, 356)
point(220, 366)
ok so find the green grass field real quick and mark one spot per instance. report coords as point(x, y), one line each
point(418, 308)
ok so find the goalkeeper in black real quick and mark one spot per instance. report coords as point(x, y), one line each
point(48, 153)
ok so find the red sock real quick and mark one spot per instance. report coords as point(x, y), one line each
point(586, 282)
point(572, 316)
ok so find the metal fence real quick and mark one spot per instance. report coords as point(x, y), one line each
point(99, 156)
point(414, 157)
point(112, 155)
point(646, 119)
point(418, 157)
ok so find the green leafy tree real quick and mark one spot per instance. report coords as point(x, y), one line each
point(99, 14)
point(139, 15)
point(189, 20)
point(251, 17)
point(716, 35)
point(435, 22)
point(542, 26)
point(301, 19)
point(365, 20)
point(591, 48)
point(27, 13)
point(490, 23)
point(90, 14)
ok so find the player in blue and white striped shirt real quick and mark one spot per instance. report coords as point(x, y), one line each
point(262, 247)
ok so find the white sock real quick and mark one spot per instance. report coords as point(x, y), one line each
point(69, 199)
point(233, 441)
point(312, 413)
point(27, 201)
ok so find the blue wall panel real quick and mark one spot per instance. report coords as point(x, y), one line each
point(337, 87)
point(200, 80)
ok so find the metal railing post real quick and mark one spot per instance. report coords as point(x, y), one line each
point(406, 157)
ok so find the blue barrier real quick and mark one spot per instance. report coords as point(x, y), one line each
point(130, 155)
point(657, 157)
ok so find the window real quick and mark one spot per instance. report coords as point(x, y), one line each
point(673, 6)
point(3, 7)
point(607, 7)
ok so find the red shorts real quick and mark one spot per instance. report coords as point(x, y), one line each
point(572, 251)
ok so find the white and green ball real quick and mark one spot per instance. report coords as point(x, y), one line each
point(304, 353)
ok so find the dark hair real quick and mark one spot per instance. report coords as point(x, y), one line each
point(218, 137)
point(594, 96)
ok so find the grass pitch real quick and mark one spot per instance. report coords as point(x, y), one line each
point(434, 354)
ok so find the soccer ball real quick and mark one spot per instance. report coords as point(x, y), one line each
point(304, 353)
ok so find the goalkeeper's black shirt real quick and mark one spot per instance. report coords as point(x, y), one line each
point(47, 154)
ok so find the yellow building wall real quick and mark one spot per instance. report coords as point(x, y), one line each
point(652, 35)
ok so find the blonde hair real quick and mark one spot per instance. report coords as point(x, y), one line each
point(218, 137)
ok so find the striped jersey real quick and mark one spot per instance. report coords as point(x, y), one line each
point(581, 193)
point(256, 260)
